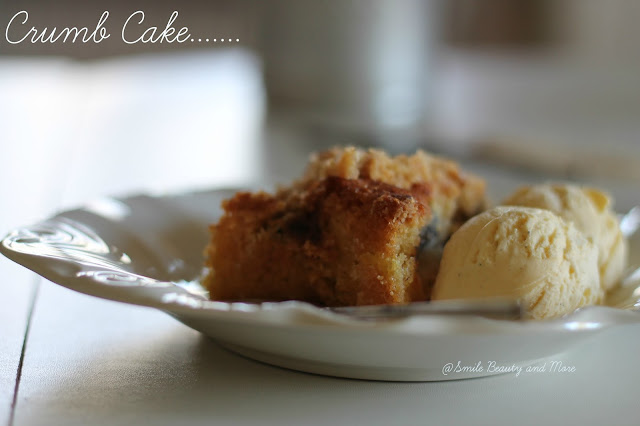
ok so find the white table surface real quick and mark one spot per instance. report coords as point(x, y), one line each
point(70, 359)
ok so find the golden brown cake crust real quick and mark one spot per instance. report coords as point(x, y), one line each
point(455, 195)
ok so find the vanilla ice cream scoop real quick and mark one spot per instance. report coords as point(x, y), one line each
point(528, 254)
point(591, 211)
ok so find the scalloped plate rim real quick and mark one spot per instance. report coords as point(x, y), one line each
point(294, 316)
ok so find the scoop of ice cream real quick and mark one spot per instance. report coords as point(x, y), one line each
point(527, 254)
point(591, 211)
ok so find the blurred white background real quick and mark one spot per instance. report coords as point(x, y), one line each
point(544, 87)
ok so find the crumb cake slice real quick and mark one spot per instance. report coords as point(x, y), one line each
point(359, 228)
point(336, 242)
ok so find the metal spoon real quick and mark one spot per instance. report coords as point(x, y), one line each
point(630, 222)
point(494, 308)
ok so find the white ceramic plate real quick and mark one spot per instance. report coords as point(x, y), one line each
point(147, 251)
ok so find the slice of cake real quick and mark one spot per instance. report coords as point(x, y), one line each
point(336, 242)
point(359, 228)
